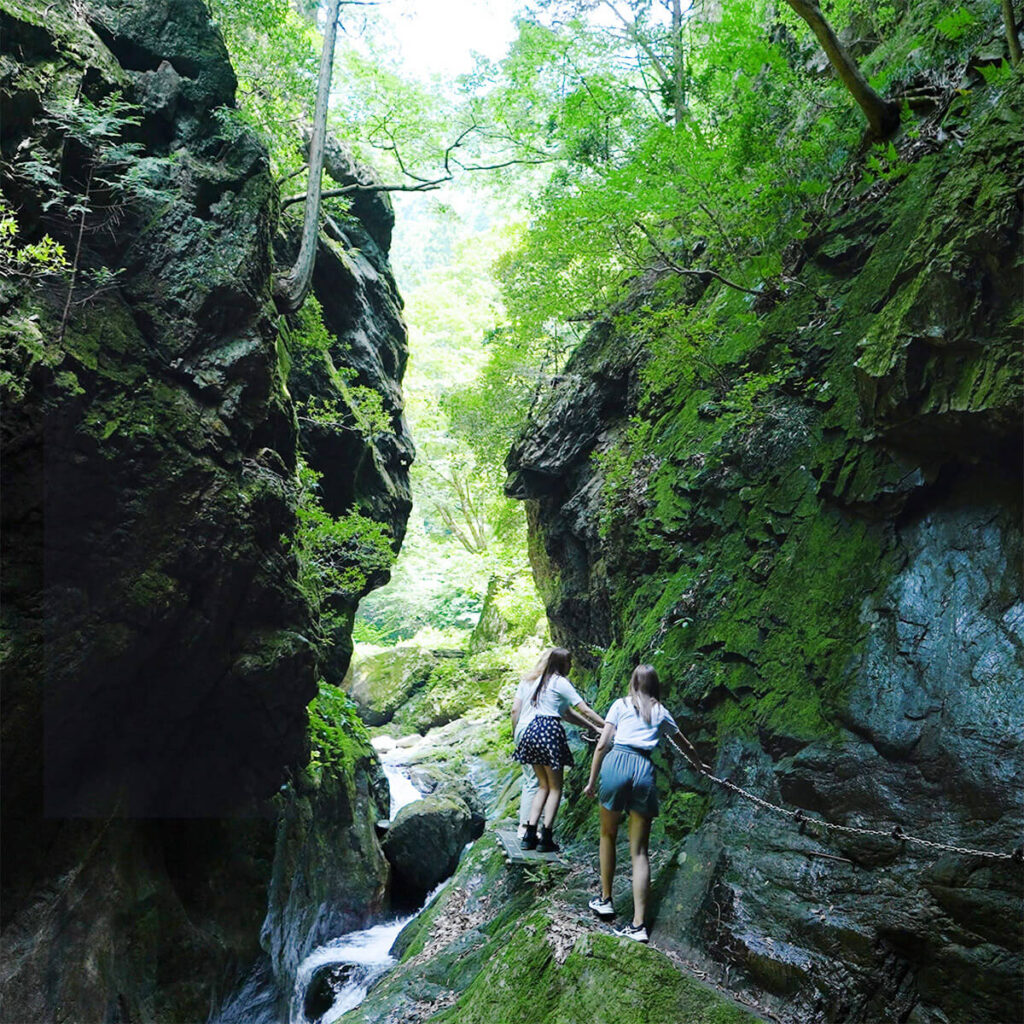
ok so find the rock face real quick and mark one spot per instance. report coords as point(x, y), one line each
point(329, 872)
point(426, 838)
point(827, 578)
point(159, 658)
point(383, 681)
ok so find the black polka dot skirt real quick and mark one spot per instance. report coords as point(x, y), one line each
point(544, 742)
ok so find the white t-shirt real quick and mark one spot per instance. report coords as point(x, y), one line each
point(556, 696)
point(632, 731)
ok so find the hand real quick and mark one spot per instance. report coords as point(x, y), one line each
point(590, 791)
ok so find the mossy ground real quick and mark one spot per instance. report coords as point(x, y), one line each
point(504, 945)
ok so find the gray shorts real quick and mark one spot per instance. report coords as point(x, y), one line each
point(627, 782)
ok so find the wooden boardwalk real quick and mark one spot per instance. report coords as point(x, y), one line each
point(515, 854)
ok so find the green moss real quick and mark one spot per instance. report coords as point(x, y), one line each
point(454, 688)
point(732, 506)
point(338, 740)
point(153, 589)
point(603, 980)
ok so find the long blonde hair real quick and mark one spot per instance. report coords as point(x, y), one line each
point(555, 662)
point(644, 691)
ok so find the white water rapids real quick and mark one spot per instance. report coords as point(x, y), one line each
point(402, 790)
point(368, 951)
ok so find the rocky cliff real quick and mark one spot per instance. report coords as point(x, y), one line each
point(810, 522)
point(160, 648)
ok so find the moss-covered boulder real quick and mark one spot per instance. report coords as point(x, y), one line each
point(500, 944)
point(381, 681)
point(426, 839)
point(603, 980)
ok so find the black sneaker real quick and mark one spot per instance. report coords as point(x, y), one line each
point(529, 841)
point(637, 932)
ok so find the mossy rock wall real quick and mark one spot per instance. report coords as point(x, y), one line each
point(814, 533)
point(159, 653)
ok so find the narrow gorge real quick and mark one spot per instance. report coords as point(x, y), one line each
point(794, 487)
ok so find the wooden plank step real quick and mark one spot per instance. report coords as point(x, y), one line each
point(515, 854)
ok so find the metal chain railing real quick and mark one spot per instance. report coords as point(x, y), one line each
point(803, 820)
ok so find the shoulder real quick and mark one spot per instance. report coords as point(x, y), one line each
point(664, 717)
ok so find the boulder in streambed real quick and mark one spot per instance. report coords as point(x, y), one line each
point(381, 681)
point(427, 837)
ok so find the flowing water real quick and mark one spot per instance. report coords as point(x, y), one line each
point(402, 790)
point(360, 957)
point(367, 952)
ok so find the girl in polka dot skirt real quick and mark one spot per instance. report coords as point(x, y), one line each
point(544, 744)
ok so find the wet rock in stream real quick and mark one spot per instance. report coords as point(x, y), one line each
point(427, 837)
point(323, 988)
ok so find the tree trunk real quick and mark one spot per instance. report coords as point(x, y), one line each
point(1012, 41)
point(291, 288)
point(679, 64)
point(883, 115)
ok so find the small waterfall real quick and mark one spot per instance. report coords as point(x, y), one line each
point(359, 958)
point(402, 790)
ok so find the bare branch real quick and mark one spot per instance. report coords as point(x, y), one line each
point(676, 268)
point(290, 289)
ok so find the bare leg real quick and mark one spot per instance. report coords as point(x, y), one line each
point(541, 795)
point(609, 832)
point(554, 797)
point(639, 834)
point(529, 792)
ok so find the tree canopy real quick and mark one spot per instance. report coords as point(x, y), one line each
point(615, 139)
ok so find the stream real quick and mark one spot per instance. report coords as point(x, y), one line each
point(335, 977)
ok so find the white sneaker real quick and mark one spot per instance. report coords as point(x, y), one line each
point(602, 907)
point(633, 931)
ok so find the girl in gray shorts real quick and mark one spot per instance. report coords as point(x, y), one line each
point(633, 728)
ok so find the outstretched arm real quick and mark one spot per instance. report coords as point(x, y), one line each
point(604, 744)
point(584, 715)
point(687, 749)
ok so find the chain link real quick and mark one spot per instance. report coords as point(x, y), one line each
point(800, 816)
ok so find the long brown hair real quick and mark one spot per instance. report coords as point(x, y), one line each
point(644, 691)
point(555, 662)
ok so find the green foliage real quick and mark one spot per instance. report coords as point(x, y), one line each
point(307, 347)
point(884, 164)
point(956, 23)
point(337, 736)
point(997, 75)
point(274, 51)
point(340, 554)
point(33, 259)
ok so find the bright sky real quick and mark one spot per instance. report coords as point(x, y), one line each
point(440, 36)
